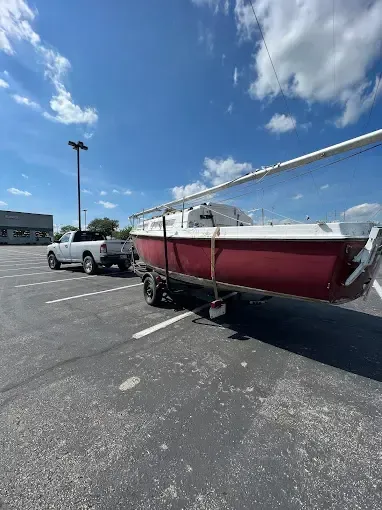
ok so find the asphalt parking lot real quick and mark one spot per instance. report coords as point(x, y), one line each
point(105, 405)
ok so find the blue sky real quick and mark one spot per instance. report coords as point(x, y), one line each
point(182, 93)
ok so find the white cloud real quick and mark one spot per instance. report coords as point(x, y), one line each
point(325, 186)
point(26, 102)
point(15, 18)
point(217, 171)
point(87, 191)
point(127, 192)
point(16, 191)
point(103, 193)
point(15, 26)
point(179, 192)
point(25, 176)
point(305, 61)
point(280, 123)
point(235, 77)
point(107, 205)
point(116, 191)
point(362, 212)
point(206, 37)
point(229, 109)
point(88, 135)
point(215, 5)
point(298, 196)
point(357, 102)
point(3, 204)
point(223, 58)
point(69, 113)
point(3, 84)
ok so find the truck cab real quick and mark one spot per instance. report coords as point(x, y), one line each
point(91, 249)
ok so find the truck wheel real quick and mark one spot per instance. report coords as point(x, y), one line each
point(53, 262)
point(151, 292)
point(123, 265)
point(89, 265)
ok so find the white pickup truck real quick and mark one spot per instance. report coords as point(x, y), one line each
point(91, 249)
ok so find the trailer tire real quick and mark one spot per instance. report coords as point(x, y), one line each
point(89, 265)
point(152, 293)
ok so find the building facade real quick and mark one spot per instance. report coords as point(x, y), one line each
point(25, 228)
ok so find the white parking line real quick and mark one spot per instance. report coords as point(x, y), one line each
point(92, 293)
point(27, 274)
point(164, 324)
point(21, 268)
point(378, 288)
point(13, 261)
point(53, 281)
point(22, 254)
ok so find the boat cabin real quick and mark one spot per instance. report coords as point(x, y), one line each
point(204, 215)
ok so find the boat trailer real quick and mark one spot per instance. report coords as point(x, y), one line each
point(158, 284)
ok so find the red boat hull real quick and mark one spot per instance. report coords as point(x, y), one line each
point(310, 269)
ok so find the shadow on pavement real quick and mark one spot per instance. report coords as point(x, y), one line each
point(113, 272)
point(346, 339)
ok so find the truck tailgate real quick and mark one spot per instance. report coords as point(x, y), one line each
point(115, 246)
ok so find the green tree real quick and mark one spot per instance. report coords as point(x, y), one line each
point(67, 228)
point(123, 233)
point(105, 225)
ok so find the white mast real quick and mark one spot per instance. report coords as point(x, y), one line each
point(354, 143)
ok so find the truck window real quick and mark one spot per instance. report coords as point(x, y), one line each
point(65, 238)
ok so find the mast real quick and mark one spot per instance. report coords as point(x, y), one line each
point(354, 143)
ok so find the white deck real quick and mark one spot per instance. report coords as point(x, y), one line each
point(302, 231)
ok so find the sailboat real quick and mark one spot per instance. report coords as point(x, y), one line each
point(217, 246)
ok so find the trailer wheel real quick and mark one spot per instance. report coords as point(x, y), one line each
point(151, 291)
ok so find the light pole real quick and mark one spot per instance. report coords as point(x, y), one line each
point(77, 146)
point(85, 211)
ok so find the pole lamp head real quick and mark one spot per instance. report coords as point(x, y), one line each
point(73, 144)
point(82, 146)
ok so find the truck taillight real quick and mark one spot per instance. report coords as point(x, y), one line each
point(103, 248)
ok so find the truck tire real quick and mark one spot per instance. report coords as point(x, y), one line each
point(124, 264)
point(53, 262)
point(89, 265)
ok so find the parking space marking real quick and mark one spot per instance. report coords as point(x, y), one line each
point(378, 288)
point(168, 322)
point(13, 262)
point(27, 274)
point(92, 293)
point(21, 268)
point(19, 254)
point(54, 281)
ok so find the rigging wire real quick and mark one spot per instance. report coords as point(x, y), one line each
point(281, 89)
point(376, 213)
point(196, 201)
point(351, 182)
point(274, 70)
point(277, 214)
point(334, 51)
point(309, 171)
